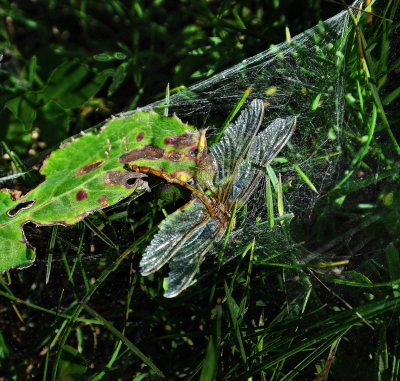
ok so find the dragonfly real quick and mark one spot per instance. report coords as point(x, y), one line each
point(231, 171)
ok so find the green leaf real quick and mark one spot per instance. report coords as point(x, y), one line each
point(393, 261)
point(24, 108)
point(107, 57)
point(316, 102)
point(391, 97)
point(54, 121)
point(13, 131)
point(234, 312)
point(273, 178)
point(118, 77)
point(270, 203)
point(231, 115)
point(210, 363)
point(72, 83)
point(72, 365)
point(88, 173)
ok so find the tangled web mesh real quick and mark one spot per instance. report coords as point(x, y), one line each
point(302, 77)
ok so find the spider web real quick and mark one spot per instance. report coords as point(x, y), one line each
point(301, 78)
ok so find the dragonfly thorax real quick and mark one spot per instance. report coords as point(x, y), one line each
point(218, 209)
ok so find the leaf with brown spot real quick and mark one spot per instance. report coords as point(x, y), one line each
point(118, 178)
point(90, 172)
point(89, 168)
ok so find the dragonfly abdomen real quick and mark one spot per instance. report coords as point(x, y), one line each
point(215, 208)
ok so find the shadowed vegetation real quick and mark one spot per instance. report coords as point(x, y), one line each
point(83, 311)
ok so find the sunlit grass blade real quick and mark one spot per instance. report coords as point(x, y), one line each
point(273, 178)
point(51, 249)
point(222, 250)
point(243, 302)
point(109, 365)
point(46, 364)
point(372, 86)
point(305, 178)
point(342, 321)
point(280, 197)
point(210, 362)
point(231, 116)
point(99, 233)
point(391, 97)
point(315, 354)
point(270, 203)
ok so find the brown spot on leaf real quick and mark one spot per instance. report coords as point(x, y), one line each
point(126, 179)
point(143, 185)
point(103, 200)
point(81, 195)
point(182, 174)
point(140, 136)
point(149, 152)
point(192, 153)
point(174, 155)
point(180, 141)
point(14, 193)
point(59, 223)
point(89, 168)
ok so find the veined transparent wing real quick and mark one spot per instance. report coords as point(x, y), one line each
point(185, 235)
point(187, 260)
point(263, 149)
point(236, 139)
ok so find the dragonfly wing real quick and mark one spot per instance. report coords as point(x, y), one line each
point(244, 176)
point(236, 138)
point(269, 142)
point(264, 148)
point(179, 228)
point(188, 258)
point(185, 236)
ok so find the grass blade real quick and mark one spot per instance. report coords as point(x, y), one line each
point(125, 340)
point(304, 177)
point(231, 116)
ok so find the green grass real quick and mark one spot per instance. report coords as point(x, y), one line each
point(83, 311)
